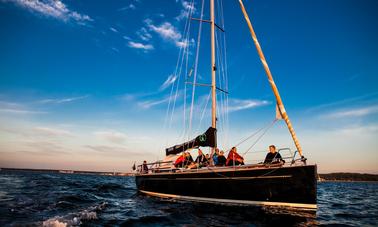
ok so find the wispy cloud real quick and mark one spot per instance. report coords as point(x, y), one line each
point(62, 100)
point(16, 108)
point(186, 8)
point(143, 34)
point(113, 30)
point(54, 8)
point(357, 99)
point(45, 131)
point(130, 6)
point(145, 47)
point(354, 112)
point(167, 32)
point(147, 104)
point(115, 49)
point(111, 136)
point(170, 80)
point(243, 104)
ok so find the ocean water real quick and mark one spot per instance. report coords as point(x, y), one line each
point(50, 199)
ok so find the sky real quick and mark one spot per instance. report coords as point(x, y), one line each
point(89, 85)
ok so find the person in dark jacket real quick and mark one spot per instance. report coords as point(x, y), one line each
point(188, 159)
point(144, 167)
point(221, 159)
point(199, 160)
point(273, 157)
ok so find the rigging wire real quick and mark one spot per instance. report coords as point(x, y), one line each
point(258, 139)
point(195, 69)
point(182, 50)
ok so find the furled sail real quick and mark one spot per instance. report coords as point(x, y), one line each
point(208, 139)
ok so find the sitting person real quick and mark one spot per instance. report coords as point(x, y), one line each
point(180, 161)
point(273, 157)
point(215, 157)
point(188, 159)
point(199, 160)
point(234, 158)
point(207, 160)
point(221, 160)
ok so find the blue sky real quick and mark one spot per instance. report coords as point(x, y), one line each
point(86, 85)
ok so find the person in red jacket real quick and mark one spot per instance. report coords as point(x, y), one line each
point(234, 158)
point(180, 161)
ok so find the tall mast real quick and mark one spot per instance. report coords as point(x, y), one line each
point(213, 68)
point(280, 105)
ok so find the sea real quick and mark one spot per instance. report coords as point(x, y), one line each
point(57, 199)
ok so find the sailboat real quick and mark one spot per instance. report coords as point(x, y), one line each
point(291, 184)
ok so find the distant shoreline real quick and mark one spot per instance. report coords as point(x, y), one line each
point(64, 171)
point(348, 177)
point(348, 181)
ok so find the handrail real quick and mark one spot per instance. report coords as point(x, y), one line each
point(156, 166)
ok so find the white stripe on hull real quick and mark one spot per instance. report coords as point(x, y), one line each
point(230, 201)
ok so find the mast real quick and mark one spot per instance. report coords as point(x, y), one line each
point(279, 102)
point(213, 68)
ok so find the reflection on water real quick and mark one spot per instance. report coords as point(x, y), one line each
point(55, 199)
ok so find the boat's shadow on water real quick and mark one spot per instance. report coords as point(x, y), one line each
point(162, 212)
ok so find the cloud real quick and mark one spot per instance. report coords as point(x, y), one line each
point(113, 29)
point(240, 104)
point(147, 104)
point(54, 8)
point(150, 103)
point(145, 47)
point(364, 97)
point(354, 112)
point(43, 148)
point(130, 6)
point(62, 100)
point(114, 49)
point(167, 32)
point(112, 136)
point(45, 131)
point(143, 34)
point(18, 111)
point(16, 108)
point(170, 80)
point(185, 11)
point(113, 150)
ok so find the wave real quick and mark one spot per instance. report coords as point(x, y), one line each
point(108, 187)
point(75, 219)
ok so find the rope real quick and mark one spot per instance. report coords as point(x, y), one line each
point(266, 130)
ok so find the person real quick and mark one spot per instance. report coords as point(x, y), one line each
point(273, 157)
point(199, 160)
point(234, 158)
point(144, 167)
point(221, 160)
point(180, 161)
point(188, 159)
point(215, 156)
point(207, 160)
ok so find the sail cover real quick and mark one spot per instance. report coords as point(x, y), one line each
point(208, 139)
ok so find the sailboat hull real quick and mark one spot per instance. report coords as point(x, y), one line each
point(274, 186)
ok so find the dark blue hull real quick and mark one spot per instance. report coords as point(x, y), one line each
point(283, 186)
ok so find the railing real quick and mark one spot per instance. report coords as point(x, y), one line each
point(167, 166)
